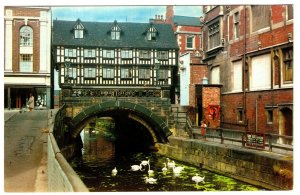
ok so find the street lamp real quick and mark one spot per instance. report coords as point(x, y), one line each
point(67, 67)
point(156, 67)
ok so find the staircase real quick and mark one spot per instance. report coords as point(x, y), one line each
point(181, 121)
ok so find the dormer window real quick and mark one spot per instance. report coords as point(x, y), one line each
point(151, 33)
point(115, 31)
point(78, 30)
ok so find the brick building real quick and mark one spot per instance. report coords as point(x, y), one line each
point(27, 38)
point(249, 50)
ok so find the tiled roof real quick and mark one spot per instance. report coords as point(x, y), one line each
point(97, 34)
point(186, 21)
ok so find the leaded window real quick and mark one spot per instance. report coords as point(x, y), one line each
point(89, 53)
point(115, 31)
point(108, 73)
point(26, 63)
point(26, 36)
point(126, 54)
point(145, 54)
point(71, 53)
point(144, 73)
point(78, 31)
point(162, 55)
point(287, 64)
point(214, 35)
point(126, 73)
point(89, 73)
point(152, 33)
point(108, 53)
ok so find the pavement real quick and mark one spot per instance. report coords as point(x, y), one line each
point(25, 151)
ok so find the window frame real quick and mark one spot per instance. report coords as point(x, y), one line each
point(26, 60)
point(111, 73)
point(214, 35)
point(26, 36)
point(87, 52)
point(111, 53)
point(285, 67)
point(88, 70)
point(163, 55)
point(236, 23)
point(144, 74)
point(126, 73)
point(78, 31)
point(190, 42)
point(126, 54)
point(145, 54)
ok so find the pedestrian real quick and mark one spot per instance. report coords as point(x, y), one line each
point(30, 102)
point(203, 129)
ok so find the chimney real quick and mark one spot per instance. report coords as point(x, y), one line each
point(169, 14)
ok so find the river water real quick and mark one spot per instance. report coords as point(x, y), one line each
point(100, 157)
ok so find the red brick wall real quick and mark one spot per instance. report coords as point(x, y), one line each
point(230, 103)
point(210, 96)
point(277, 13)
point(182, 46)
point(197, 73)
point(34, 24)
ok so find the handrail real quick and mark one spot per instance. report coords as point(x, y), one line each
point(271, 140)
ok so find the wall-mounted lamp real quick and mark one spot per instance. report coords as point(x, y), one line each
point(259, 45)
point(290, 37)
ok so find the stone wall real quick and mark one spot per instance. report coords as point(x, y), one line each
point(269, 170)
point(61, 176)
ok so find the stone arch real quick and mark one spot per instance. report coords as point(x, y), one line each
point(155, 124)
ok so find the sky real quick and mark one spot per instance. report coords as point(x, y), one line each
point(125, 13)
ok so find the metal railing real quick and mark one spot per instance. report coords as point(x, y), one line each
point(270, 142)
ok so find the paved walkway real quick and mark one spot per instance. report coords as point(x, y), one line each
point(25, 151)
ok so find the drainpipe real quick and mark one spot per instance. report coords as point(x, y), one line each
point(256, 118)
point(244, 72)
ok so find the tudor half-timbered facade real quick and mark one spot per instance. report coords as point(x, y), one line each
point(115, 59)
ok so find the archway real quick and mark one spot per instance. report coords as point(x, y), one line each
point(286, 124)
point(136, 126)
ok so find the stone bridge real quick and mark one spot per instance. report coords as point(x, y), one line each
point(140, 122)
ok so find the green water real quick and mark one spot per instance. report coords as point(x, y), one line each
point(100, 157)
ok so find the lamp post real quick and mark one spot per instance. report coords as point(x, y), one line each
point(156, 67)
point(67, 66)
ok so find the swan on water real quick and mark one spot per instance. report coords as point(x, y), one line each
point(171, 164)
point(150, 180)
point(150, 171)
point(177, 170)
point(197, 178)
point(145, 162)
point(164, 169)
point(114, 171)
point(136, 167)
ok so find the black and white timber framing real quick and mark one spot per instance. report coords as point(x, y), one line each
point(99, 55)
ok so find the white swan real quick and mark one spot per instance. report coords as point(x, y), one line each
point(136, 167)
point(145, 162)
point(177, 170)
point(164, 169)
point(114, 171)
point(171, 164)
point(150, 180)
point(150, 171)
point(197, 178)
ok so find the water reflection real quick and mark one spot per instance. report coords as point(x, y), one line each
point(100, 159)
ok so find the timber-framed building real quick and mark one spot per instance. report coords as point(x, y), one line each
point(115, 59)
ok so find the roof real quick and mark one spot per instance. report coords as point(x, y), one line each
point(186, 21)
point(97, 34)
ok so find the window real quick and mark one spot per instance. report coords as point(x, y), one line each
point(26, 36)
point(214, 35)
point(162, 55)
point(260, 72)
point(287, 65)
point(215, 75)
point(151, 34)
point(78, 31)
point(269, 116)
point(144, 73)
point(162, 74)
point(126, 73)
point(115, 35)
point(240, 115)
point(190, 42)
point(260, 17)
point(108, 73)
point(70, 53)
point(237, 78)
point(145, 54)
point(108, 53)
point(89, 73)
point(126, 54)
point(26, 63)
point(236, 25)
point(290, 12)
point(115, 31)
point(89, 53)
point(70, 72)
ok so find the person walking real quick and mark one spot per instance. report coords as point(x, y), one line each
point(30, 102)
point(203, 130)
